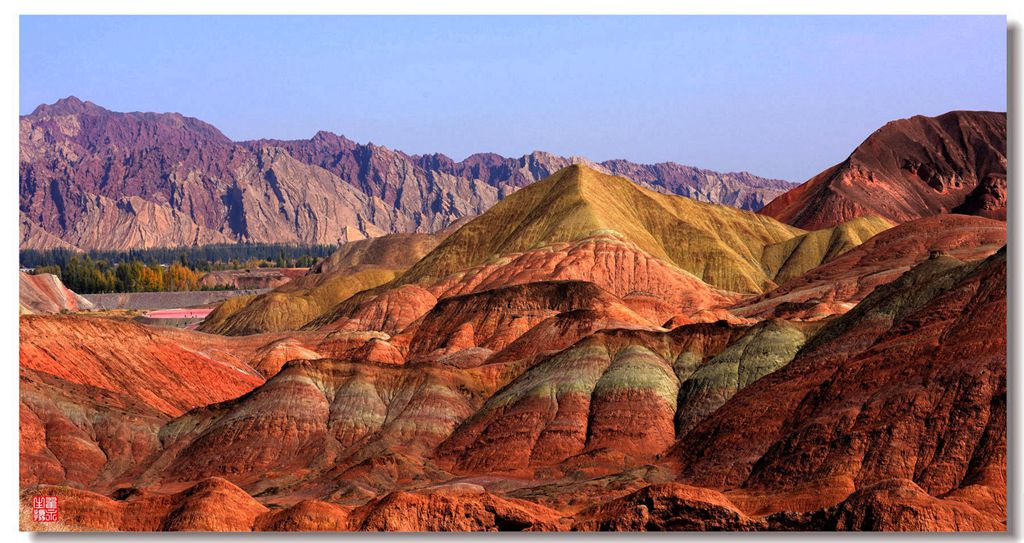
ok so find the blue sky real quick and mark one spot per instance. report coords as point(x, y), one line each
point(777, 96)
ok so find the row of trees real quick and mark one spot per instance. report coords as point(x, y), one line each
point(203, 258)
point(86, 276)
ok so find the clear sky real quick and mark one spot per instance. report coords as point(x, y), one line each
point(777, 96)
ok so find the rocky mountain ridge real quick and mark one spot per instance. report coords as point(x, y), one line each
point(92, 178)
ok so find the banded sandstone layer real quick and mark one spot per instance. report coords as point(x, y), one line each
point(890, 417)
point(662, 255)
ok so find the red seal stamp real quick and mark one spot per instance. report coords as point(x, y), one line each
point(44, 508)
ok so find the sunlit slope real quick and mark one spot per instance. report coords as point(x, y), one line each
point(288, 310)
point(720, 245)
point(794, 257)
point(354, 267)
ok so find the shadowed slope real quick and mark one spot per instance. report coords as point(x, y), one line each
point(906, 390)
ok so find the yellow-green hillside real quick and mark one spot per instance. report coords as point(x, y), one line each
point(719, 244)
point(288, 310)
point(397, 251)
point(727, 248)
point(795, 257)
point(354, 267)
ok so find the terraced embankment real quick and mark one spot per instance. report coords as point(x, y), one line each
point(164, 300)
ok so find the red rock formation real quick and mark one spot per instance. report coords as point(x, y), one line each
point(899, 505)
point(45, 293)
point(908, 169)
point(657, 290)
point(386, 309)
point(608, 399)
point(547, 338)
point(128, 358)
point(667, 507)
point(212, 505)
point(306, 516)
point(270, 358)
point(621, 268)
point(892, 417)
point(264, 353)
point(454, 510)
point(95, 392)
point(317, 422)
point(76, 434)
point(911, 384)
point(493, 319)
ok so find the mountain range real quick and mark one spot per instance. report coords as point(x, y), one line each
point(91, 178)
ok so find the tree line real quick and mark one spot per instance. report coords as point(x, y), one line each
point(87, 276)
point(226, 256)
point(164, 269)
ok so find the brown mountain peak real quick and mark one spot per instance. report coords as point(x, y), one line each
point(70, 105)
point(908, 169)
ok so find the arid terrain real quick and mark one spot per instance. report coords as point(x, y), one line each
point(91, 178)
point(542, 343)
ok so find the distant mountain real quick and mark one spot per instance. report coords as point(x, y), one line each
point(908, 169)
point(92, 178)
point(97, 179)
point(419, 183)
point(742, 190)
